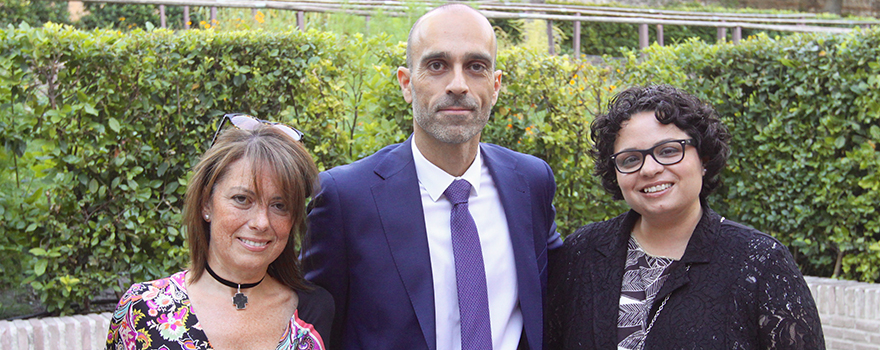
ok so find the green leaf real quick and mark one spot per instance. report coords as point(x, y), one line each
point(90, 109)
point(37, 251)
point(113, 124)
point(239, 79)
point(40, 267)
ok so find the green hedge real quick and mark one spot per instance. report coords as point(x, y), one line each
point(100, 128)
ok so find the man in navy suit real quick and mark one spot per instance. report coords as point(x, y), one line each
point(380, 227)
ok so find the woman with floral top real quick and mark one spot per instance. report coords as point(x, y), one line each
point(244, 215)
point(671, 273)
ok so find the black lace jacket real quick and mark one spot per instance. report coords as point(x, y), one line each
point(742, 291)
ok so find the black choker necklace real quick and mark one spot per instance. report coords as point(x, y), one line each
point(239, 300)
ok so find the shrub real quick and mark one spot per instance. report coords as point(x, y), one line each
point(33, 12)
point(121, 16)
point(100, 129)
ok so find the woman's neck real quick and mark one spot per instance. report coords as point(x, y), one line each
point(669, 236)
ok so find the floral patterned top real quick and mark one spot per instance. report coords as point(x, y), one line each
point(158, 315)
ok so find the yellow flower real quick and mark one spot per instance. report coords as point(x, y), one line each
point(509, 126)
point(260, 17)
point(121, 19)
point(571, 82)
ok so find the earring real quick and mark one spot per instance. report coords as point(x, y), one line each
point(704, 171)
point(207, 217)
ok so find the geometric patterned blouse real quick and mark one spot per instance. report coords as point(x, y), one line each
point(642, 278)
point(158, 315)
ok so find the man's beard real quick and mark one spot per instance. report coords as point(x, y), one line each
point(440, 129)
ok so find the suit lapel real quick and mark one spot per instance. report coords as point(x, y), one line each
point(515, 196)
point(514, 193)
point(399, 204)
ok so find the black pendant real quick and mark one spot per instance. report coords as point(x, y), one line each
point(240, 300)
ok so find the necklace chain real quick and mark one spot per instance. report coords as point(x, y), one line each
point(641, 344)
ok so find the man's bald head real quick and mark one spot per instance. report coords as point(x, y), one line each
point(463, 12)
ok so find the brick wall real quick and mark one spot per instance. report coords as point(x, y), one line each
point(850, 313)
point(80, 332)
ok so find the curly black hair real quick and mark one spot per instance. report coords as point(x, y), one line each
point(670, 105)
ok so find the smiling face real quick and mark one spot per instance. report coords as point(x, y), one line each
point(248, 231)
point(451, 84)
point(659, 191)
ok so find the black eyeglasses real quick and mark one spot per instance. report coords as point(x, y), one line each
point(247, 122)
point(665, 153)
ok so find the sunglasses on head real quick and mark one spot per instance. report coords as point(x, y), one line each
point(247, 122)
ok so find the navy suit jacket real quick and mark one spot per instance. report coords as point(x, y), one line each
point(368, 246)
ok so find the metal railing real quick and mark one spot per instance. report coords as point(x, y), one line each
point(800, 22)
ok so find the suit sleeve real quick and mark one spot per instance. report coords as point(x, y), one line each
point(324, 259)
point(554, 239)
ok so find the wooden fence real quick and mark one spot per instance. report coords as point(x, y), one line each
point(800, 22)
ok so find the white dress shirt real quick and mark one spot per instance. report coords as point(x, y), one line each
point(488, 213)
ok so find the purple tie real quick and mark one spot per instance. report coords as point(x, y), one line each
point(470, 275)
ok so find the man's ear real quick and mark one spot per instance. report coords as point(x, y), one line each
point(497, 77)
point(403, 78)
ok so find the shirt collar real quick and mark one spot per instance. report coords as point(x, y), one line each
point(436, 180)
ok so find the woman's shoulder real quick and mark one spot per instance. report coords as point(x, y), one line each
point(738, 234)
point(595, 233)
point(314, 297)
point(316, 307)
point(137, 291)
point(753, 248)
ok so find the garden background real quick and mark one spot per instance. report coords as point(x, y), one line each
point(100, 128)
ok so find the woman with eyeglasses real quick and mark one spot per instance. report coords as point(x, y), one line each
point(244, 213)
point(671, 273)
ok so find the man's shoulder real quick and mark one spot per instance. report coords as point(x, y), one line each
point(363, 165)
point(497, 152)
